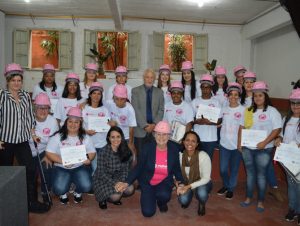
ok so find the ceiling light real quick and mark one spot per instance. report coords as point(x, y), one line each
point(200, 3)
point(27, 1)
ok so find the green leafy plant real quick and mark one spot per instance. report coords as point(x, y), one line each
point(50, 45)
point(177, 50)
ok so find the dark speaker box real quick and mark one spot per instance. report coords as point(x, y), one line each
point(13, 196)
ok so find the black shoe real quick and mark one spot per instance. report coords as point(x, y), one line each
point(184, 206)
point(103, 205)
point(201, 209)
point(229, 195)
point(163, 208)
point(77, 197)
point(38, 207)
point(298, 221)
point(222, 191)
point(118, 203)
point(291, 215)
point(64, 199)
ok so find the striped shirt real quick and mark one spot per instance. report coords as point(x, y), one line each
point(16, 119)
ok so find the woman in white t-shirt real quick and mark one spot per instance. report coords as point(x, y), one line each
point(265, 118)
point(90, 76)
point(163, 81)
point(46, 126)
point(71, 97)
point(188, 81)
point(48, 85)
point(94, 108)
point(246, 97)
point(220, 86)
point(71, 134)
point(230, 157)
point(123, 115)
point(239, 72)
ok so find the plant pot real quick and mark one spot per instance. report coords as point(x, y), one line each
point(101, 73)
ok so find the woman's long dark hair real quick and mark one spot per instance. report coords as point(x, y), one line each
point(215, 87)
point(243, 96)
point(266, 104)
point(63, 131)
point(123, 151)
point(65, 93)
point(89, 100)
point(42, 84)
point(193, 85)
point(287, 119)
point(197, 137)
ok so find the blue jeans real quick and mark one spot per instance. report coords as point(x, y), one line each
point(229, 167)
point(80, 176)
point(209, 148)
point(293, 194)
point(47, 173)
point(256, 163)
point(152, 194)
point(271, 176)
point(201, 194)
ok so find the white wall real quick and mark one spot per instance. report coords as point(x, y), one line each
point(2, 47)
point(224, 42)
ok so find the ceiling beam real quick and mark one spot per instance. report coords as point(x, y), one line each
point(116, 14)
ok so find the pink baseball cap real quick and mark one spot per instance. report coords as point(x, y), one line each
point(72, 77)
point(121, 70)
point(42, 99)
point(91, 66)
point(74, 112)
point(250, 75)
point(48, 68)
point(238, 68)
point(162, 127)
point(164, 67)
point(295, 95)
point(120, 91)
point(96, 86)
point(234, 86)
point(220, 70)
point(176, 85)
point(13, 69)
point(260, 86)
point(187, 66)
point(208, 79)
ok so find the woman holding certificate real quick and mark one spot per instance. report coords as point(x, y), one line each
point(262, 125)
point(113, 164)
point(72, 151)
point(158, 164)
point(290, 134)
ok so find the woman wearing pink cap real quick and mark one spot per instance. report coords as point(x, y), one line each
point(48, 84)
point(188, 81)
point(71, 134)
point(121, 78)
point(90, 76)
point(220, 84)
point(158, 164)
point(230, 157)
point(46, 126)
point(239, 72)
point(122, 114)
point(71, 97)
point(249, 79)
point(17, 124)
point(260, 116)
point(164, 81)
point(290, 134)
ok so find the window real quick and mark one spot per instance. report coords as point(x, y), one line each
point(195, 47)
point(116, 48)
point(34, 48)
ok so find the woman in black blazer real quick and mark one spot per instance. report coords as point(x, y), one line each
point(157, 164)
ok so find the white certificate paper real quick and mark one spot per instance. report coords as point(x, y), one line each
point(178, 131)
point(99, 124)
point(208, 112)
point(73, 155)
point(251, 137)
point(53, 104)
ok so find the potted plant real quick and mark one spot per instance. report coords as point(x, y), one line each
point(177, 50)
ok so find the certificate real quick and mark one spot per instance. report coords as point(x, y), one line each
point(251, 137)
point(289, 156)
point(178, 131)
point(53, 104)
point(208, 112)
point(73, 155)
point(99, 124)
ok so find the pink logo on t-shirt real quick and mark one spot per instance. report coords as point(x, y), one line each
point(168, 93)
point(211, 105)
point(46, 131)
point(179, 111)
point(101, 114)
point(122, 119)
point(262, 117)
point(78, 143)
point(53, 93)
point(237, 115)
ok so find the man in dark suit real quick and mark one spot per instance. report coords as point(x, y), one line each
point(148, 103)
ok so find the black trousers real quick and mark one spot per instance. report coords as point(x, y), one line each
point(24, 157)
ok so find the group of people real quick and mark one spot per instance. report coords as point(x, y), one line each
point(135, 140)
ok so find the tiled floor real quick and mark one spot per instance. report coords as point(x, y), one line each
point(220, 212)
